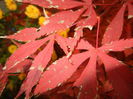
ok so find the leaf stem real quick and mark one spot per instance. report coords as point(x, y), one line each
point(45, 13)
point(98, 19)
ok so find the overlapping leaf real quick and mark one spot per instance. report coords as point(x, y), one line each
point(23, 52)
point(27, 34)
point(39, 63)
point(61, 21)
point(20, 67)
point(57, 22)
point(59, 4)
point(62, 69)
point(118, 45)
point(119, 75)
point(115, 27)
point(88, 81)
point(125, 72)
point(91, 19)
point(58, 72)
point(76, 60)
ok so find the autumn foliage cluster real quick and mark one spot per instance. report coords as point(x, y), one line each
point(93, 58)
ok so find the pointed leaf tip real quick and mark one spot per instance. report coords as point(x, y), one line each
point(27, 34)
point(87, 81)
point(115, 27)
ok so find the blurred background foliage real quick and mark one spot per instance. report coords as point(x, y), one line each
point(14, 17)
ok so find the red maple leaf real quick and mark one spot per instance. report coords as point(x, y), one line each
point(118, 73)
point(62, 69)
